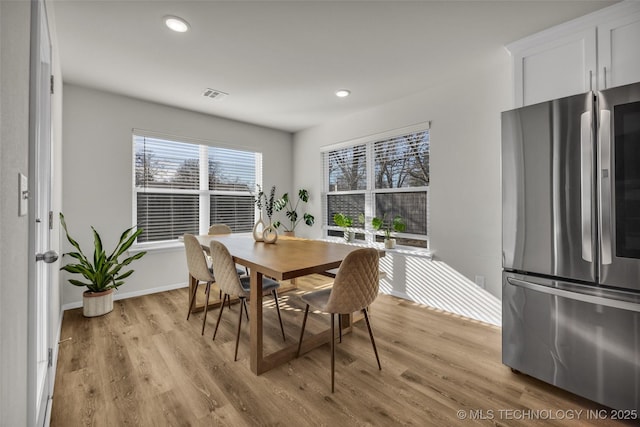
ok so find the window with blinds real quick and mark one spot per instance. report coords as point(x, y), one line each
point(383, 178)
point(182, 188)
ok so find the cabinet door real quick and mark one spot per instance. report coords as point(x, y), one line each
point(618, 52)
point(561, 67)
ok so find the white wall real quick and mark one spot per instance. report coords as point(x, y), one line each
point(14, 150)
point(15, 25)
point(98, 175)
point(465, 201)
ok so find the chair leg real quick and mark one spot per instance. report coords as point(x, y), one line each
point(275, 297)
point(304, 322)
point(333, 350)
point(219, 316)
point(340, 327)
point(193, 300)
point(373, 342)
point(235, 356)
point(206, 307)
point(222, 301)
point(244, 303)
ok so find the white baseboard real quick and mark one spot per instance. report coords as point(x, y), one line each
point(117, 295)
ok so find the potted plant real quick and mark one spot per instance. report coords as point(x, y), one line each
point(102, 273)
point(291, 210)
point(388, 226)
point(346, 222)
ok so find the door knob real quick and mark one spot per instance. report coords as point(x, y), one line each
point(48, 257)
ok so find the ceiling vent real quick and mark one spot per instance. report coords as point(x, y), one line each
point(214, 94)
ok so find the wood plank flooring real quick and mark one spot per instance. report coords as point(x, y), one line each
point(144, 364)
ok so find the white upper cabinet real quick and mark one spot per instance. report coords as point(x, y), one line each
point(597, 51)
point(564, 66)
point(619, 51)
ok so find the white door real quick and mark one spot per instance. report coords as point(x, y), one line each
point(40, 217)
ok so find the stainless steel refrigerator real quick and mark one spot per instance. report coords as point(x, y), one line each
point(571, 244)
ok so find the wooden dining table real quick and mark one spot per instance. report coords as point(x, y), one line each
point(286, 259)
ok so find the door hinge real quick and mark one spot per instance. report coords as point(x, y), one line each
point(50, 220)
point(52, 80)
point(50, 357)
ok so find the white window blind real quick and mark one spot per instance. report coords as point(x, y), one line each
point(182, 188)
point(403, 163)
point(386, 177)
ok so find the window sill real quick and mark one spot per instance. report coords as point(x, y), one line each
point(167, 246)
point(399, 249)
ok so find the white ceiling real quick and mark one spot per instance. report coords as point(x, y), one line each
point(282, 61)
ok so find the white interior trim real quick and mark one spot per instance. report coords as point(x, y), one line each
point(418, 127)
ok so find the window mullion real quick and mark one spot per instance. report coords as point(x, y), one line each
point(204, 199)
point(369, 201)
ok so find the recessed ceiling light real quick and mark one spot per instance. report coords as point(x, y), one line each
point(176, 24)
point(343, 93)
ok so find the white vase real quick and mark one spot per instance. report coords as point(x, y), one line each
point(389, 243)
point(270, 234)
point(97, 303)
point(258, 230)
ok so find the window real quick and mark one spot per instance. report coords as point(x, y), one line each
point(383, 177)
point(183, 188)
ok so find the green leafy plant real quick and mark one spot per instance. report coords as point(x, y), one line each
point(342, 220)
point(346, 222)
point(102, 272)
point(388, 226)
point(291, 210)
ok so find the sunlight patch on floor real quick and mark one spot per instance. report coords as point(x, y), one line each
point(436, 284)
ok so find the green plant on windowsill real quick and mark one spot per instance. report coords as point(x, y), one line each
point(389, 226)
point(291, 210)
point(346, 222)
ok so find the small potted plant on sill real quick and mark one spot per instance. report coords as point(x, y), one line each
point(102, 273)
point(388, 226)
point(291, 210)
point(346, 222)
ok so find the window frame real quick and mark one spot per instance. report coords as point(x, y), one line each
point(203, 192)
point(371, 191)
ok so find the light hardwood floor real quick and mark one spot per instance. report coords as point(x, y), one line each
point(144, 364)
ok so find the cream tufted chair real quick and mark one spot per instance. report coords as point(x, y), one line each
point(216, 229)
point(354, 288)
point(219, 229)
point(199, 270)
point(232, 285)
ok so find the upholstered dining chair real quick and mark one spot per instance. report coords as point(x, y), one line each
point(216, 229)
point(354, 288)
point(219, 229)
point(200, 270)
point(233, 285)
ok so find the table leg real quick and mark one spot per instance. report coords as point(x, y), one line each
point(255, 309)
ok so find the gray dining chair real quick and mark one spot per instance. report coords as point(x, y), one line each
point(233, 285)
point(200, 270)
point(354, 288)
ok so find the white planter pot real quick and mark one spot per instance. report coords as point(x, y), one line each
point(389, 243)
point(97, 303)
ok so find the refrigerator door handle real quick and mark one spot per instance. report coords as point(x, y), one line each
point(604, 186)
point(586, 184)
point(591, 299)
